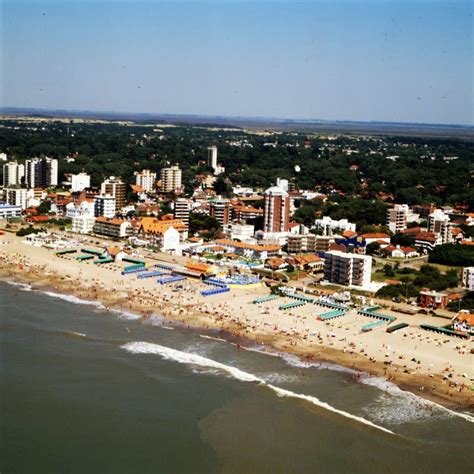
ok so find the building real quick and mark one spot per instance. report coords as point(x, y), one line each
point(468, 278)
point(439, 223)
point(182, 208)
point(257, 251)
point(302, 243)
point(212, 157)
point(379, 237)
point(8, 210)
point(330, 226)
point(397, 217)
point(171, 179)
point(243, 213)
point(276, 210)
point(464, 321)
point(347, 268)
point(82, 216)
point(146, 179)
point(116, 188)
point(395, 251)
point(219, 209)
point(17, 197)
point(78, 182)
point(242, 232)
point(113, 228)
point(104, 205)
point(433, 299)
point(427, 241)
point(13, 173)
point(41, 172)
point(157, 232)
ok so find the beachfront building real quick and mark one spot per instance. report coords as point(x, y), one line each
point(104, 205)
point(242, 232)
point(330, 226)
point(468, 278)
point(116, 188)
point(253, 251)
point(17, 197)
point(41, 172)
point(13, 173)
point(78, 182)
point(146, 179)
point(82, 216)
point(347, 269)
point(276, 210)
point(163, 234)
point(433, 299)
point(171, 179)
point(464, 321)
point(112, 228)
point(8, 211)
point(219, 209)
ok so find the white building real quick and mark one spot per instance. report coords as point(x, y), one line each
point(79, 181)
point(82, 216)
point(146, 179)
point(104, 205)
point(347, 269)
point(171, 179)
point(330, 226)
point(41, 172)
point(8, 210)
point(212, 160)
point(17, 197)
point(12, 174)
point(439, 223)
point(468, 278)
point(399, 216)
point(276, 211)
point(242, 232)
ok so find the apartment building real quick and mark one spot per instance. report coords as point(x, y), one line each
point(12, 174)
point(276, 210)
point(171, 179)
point(347, 268)
point(301, 243)
point(116, 188)
point(220, 209)
point(113, 228)
point(41, 172)
point(182, 209)
point(146, 179)
point(468, 278)
point(439, 223)
point(104, 205)
point(78, 182)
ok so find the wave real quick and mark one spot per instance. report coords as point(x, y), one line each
point(418, 403)
point(22, 286)
point(72, 299)
point(196, 360)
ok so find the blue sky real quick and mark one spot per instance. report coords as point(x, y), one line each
point(409, 60)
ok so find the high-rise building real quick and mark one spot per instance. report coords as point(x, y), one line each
point(219, 209)
point(146, 179)
point(41, 172)
point(79, 181)
point(171, 179)
point(12, 174)
point(397, 217)
point(348, 269)
point(276, 211)
point(439, 223)
point(182, 208)
point(104, 205)
point(468, 278)
point(116, 188)
point(212, 157)
point(17, 197)
point(82, 216)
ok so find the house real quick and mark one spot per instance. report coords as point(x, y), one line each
point(152, 228)
point(117, 253)
point(261, 252)
point(464, 321)
point(400, 252)
point(433, 299)
point(379, 237)
point(307, 262)
point(276, 263)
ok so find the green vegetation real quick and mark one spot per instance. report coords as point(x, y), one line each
point(466, 303)
point(451, 254)
point(201, 223)
point(28, 230)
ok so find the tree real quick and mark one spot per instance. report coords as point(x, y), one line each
point(373, 248)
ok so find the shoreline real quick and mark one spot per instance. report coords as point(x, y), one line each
point(268, 345)
point(201, 317)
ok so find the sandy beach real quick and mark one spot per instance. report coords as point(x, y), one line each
point(433, 366)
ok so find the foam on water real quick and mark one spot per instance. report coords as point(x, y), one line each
point(73, 299)
point(22, 286)
point(196, 360)
point(404, 406)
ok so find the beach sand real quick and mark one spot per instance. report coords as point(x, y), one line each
point(433, 366)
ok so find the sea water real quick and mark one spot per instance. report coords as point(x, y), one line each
point(88, 390)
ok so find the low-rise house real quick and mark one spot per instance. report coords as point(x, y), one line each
point(400, 252)
point(260, 252)
point(464, 321)
point(379, 237)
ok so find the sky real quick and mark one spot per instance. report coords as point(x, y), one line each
point(372, 60)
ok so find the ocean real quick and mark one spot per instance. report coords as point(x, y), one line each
point(86, 390)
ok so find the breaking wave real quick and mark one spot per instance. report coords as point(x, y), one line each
point(200, 361)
